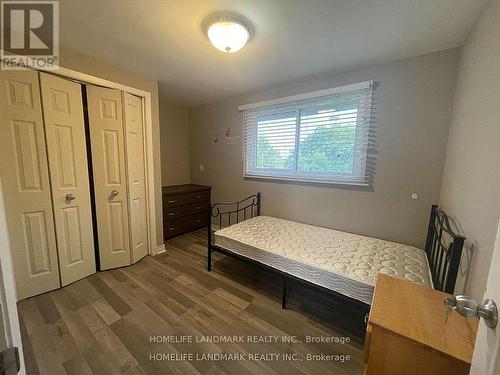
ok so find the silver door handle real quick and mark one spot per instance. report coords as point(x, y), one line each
point(114, 193)
point(70, 196)
point(468, 307)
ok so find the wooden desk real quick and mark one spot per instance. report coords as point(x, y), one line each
point(407, 334)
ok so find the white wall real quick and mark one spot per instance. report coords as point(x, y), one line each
point(174, 138)
point(470, 190)
point(413, 111)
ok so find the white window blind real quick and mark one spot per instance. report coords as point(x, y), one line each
point(320, 137)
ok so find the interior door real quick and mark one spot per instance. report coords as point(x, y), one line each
point(134, 140)
point(10, 332)
point(486, 358)
point(110, 185)
point(25, 176)
point(66, 147)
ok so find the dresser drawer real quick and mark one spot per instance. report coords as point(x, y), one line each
point(185, 209)
point(181, 199)
point(184, 225)
point(177, 212)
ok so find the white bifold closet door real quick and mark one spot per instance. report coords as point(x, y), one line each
point(134, 142)
point(67, 153)
point(25, 178)
point(110, 181)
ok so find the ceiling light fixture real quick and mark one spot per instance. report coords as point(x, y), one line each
point(228, 31)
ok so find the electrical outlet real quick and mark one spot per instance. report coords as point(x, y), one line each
point(414, 196)
point(202, 167)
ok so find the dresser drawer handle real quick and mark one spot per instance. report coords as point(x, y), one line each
point(171, 228)
point(171, 214)
point(198, 208)
point(171, 201)
point(198, 221)
point(198, 196)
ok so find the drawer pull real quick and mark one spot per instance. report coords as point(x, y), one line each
point(198, 196)
point(171, 228)
point(173, 201)
point(171, 214)
point(198, 208)
point(198, 221)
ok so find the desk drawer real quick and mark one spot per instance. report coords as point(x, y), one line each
point(187, 198)
point(184, 225)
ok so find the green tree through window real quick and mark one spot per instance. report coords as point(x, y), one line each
point(327, 140)
point(328, 149)
point(267, 156)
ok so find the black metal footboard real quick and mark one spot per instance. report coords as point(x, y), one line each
point(227, 213)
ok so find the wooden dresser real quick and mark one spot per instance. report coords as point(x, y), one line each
point(407, 332)
point(185, 209)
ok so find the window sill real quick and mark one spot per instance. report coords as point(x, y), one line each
point(304, 180)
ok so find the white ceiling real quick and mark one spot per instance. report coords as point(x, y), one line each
point(294, 39)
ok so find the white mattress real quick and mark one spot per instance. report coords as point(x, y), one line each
point(344, 262)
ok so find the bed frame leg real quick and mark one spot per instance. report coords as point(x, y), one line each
point(209, 238)
point(209, 260)
point(285, 293)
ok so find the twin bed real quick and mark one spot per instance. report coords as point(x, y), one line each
point(342, 263)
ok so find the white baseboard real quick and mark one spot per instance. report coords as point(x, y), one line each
point(160, 249)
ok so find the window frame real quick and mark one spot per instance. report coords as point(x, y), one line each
point(360, 176)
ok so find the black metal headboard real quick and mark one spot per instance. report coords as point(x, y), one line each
point(235, 211)
point(444, 251)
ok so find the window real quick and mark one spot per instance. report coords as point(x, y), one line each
point(321, 137)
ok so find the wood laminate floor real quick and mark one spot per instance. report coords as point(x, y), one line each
point(106, 323)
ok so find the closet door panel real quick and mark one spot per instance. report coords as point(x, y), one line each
point(25, 177)
point(110, 185)
point(66, 145)
point(134, 136)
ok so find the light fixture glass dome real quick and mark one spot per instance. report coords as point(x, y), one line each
point(228, 36)
point(228, 32)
